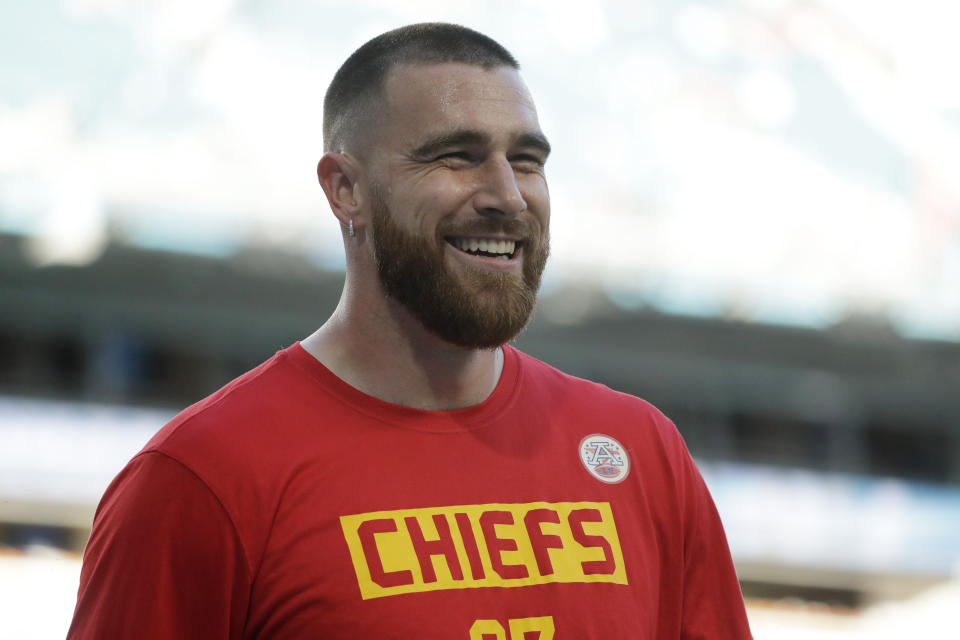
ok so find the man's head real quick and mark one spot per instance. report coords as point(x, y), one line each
point(436, 154)
point(350, 106)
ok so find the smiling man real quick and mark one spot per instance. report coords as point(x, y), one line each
point(403, 472)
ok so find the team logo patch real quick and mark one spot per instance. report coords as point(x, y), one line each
point(604, 458)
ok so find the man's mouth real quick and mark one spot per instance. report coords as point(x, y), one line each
point(487, 247)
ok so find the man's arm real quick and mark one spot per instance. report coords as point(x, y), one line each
point(164, 560)
point(712, 602)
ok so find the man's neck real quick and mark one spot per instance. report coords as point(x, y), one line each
point(391, 356)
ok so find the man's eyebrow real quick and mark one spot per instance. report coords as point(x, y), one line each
point(535, 140)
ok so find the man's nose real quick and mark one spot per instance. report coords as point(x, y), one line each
point(498, 191)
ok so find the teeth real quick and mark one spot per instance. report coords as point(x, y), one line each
point(473, 245)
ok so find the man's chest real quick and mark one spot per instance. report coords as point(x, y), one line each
point(483, 547)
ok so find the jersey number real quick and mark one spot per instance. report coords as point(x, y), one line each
point(519, 627)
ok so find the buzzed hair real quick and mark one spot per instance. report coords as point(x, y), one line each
point(358, 84)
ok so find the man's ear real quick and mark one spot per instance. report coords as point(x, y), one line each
point(338, 174)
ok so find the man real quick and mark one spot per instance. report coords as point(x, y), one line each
point(402, 473)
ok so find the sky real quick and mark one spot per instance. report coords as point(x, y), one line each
point(778, 161)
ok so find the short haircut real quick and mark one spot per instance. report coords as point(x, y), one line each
point(358, 84)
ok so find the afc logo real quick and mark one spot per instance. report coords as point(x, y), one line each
point(604, 458)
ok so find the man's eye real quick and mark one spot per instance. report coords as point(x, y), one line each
point(527, 161)
point(455, 156)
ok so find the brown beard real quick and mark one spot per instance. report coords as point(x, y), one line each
point(477, 309)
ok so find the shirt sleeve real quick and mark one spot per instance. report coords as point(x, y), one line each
point(164, 560)
point(713, 605)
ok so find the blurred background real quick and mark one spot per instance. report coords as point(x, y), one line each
point(756, 226)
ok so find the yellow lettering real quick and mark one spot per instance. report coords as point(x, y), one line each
point(543, 624)
point(483, 545)
point(482, 629)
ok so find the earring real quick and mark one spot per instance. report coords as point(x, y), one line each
point(350, 230)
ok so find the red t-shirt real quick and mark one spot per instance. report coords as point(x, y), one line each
point(289, 505)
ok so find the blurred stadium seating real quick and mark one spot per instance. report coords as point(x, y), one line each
point(834, 454)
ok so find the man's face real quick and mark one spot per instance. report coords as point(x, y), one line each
point(459, 200)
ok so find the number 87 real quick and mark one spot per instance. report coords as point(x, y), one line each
point(483, 629)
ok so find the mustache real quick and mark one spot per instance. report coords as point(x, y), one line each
point(518, 228)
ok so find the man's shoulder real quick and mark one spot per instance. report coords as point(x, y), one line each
point(229, 451)
point(547, 378)
point(241, 416)
point(574, 402)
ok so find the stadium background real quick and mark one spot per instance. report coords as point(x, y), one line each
point(756, 226)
